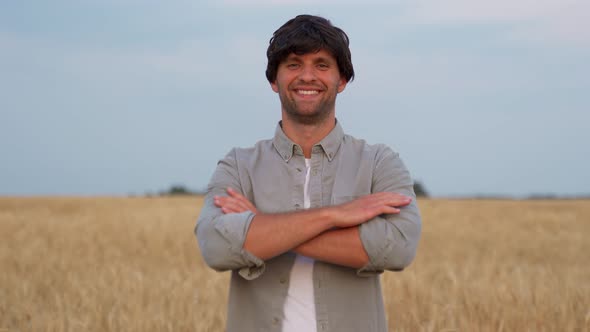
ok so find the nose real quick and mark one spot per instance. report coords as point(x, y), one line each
point(307, 73)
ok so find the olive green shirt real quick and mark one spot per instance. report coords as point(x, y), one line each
point(271, 175)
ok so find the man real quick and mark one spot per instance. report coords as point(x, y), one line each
point(308, 220)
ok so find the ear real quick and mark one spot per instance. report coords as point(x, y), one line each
point(342, 84)
point(274, 86)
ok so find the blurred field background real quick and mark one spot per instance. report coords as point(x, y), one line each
point(132, 264)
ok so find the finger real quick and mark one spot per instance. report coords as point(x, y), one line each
point(233, 208)
point(230, 209)
point(390, 210)
point(227, 210)
point(241, 205)
point(396, 196)
point(236, 195)
point(386, 206)
point(240, 201)
point(399, 202)
point(389, 199)
point(233, 193)
point(395, 199)
point(217, 201)
point(250, 206)
point(235, 204)
point(384, 209)
point(247, 204)
point(222, 200)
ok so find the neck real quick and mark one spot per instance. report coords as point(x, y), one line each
point(307, 135)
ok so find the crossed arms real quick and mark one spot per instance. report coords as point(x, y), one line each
point(329, 234)
point(371, 233)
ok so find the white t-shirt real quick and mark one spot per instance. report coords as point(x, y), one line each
point(300, 303)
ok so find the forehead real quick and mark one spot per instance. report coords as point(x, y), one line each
point(321, 55)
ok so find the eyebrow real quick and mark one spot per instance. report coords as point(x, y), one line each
point(295, 57)
point(322, 59)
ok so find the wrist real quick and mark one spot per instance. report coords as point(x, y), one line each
point(329, 217)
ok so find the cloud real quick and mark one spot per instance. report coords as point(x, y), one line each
point(564, 27)
point(543, 21)
point(304, 2)
point(443, 76)
point(500, 10)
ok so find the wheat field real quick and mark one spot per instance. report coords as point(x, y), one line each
point(132, 264)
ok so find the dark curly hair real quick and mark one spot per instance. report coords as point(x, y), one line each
point(308, 34)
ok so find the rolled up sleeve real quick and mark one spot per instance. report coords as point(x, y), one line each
point(391, 240)
point(221, 236)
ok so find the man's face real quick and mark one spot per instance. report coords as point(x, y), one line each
point(307, 86)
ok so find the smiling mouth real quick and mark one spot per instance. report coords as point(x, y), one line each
point(308, 92)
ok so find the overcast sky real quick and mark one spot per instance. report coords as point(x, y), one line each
point(122, 96)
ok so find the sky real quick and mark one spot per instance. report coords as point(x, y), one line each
point(131, 97)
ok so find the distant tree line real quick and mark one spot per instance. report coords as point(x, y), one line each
point(419, 189)
point(181, 190)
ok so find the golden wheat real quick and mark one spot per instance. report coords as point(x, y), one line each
point(132, 264)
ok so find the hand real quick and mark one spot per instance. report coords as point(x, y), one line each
point(368, 207)
point(234, 203)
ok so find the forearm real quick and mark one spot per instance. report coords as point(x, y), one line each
point(270, 235)
point(220, 238)
point(391, 241)
point(339, 246)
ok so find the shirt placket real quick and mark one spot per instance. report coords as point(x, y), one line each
point(315, 180)
point(318, 159)
point(297, 170)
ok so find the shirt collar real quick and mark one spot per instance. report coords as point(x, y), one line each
point(329, 144)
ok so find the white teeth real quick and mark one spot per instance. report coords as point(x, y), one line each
point(307, 92)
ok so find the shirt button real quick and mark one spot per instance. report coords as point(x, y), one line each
point(297, 206)
point(299, 170)
point(275, 321)
point(283, 280)
point(315, 172)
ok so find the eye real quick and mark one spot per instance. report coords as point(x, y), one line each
point(292, 65)
point(323, 66)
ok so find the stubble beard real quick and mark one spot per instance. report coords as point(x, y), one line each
point(318, 115)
